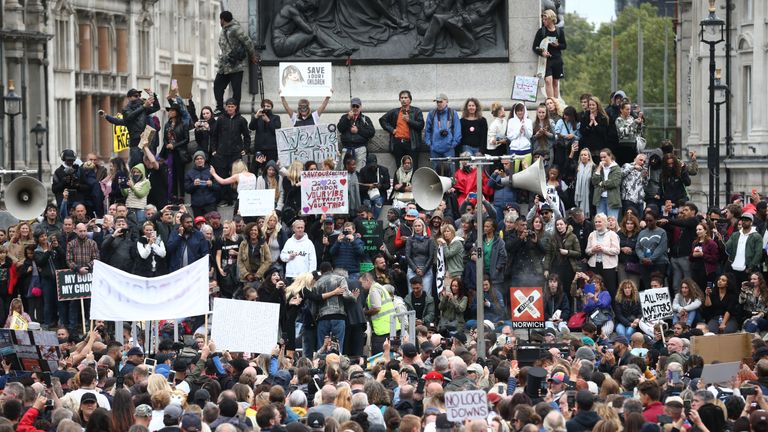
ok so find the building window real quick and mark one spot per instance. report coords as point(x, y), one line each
point(62, 44)
point(747, 98)
point(747, 12)
point(63, 119)
point(203, 23)
point(145, 59)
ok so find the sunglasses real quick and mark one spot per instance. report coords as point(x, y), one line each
point(355, 106)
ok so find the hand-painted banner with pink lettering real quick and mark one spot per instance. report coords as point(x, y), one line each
point(324, 192)
point(120, 296)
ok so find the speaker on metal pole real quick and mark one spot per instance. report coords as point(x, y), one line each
point(25, 198)
point(533, 179)
point(428, 187)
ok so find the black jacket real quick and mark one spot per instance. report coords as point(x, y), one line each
point(626, 311)
point(116, 251)
point(181, 140)
point(368, 175)
point(230, 135)
point(687, 226)
point(582, 421)
point(265, 132)
point(203, 137)
point(388, 122)
point(68, 178)
point(135, 116)
point(365, 131)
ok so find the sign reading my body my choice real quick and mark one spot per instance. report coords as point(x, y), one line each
point(72, 285)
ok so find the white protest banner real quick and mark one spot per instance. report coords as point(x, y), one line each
point(525, 88)
point(440, 275)
point(656, 304)
point(302, 79)
point(307, 143)
point(259, 202)
point(468, 404)
point(120, 296)
point(324, 192)
point(245, 326)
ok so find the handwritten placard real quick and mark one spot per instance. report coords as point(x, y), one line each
point(234, 321)
point(304, 79)
point(307, 143)
point(466, 405)
point(372, 234)
point(525, 88)
point(324, 192)
point(656, 304)
point(119, 137)
point(259, 202)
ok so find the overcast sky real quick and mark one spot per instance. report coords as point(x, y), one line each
point(595, 11)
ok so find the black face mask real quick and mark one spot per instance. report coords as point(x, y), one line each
point(136, 178)
point(466, 168)
point(62, 341)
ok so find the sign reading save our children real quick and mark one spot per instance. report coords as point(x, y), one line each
point(324, 192)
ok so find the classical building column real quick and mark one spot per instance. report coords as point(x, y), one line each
point(86, 47)
point(104, 48)
point(121, 36)
point(86, 124)
point(105, 129)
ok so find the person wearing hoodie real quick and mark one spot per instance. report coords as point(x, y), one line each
point(298, 253)
point(651, 249)
point(200, 185)
point(442, 131)
point(465, 181)
point(519, 133)
point(584, 418)
point(606, 181)
point(272, 180)
point(136, 192)
point(744, 256)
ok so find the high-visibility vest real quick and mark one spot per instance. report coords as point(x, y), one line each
point(380, 321)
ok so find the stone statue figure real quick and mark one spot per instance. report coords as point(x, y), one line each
point(367, 22)
point(464, 21)
point(292, 32)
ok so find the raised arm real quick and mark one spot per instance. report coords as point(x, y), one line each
point(287, 107)
point(324, 105)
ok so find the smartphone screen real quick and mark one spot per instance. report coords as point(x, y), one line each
point(513, 364)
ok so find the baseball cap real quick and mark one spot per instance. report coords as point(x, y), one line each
point(545, 207)
point(329, 220)
point(316, 420)
point(202, 395)
point(494, 398)
point(355, 101)
point(143, 410)
point(434, 375)
point(199, 219)
point(409, 350)
point(585, 353)
point(134, 92)
point(476, 368)
point(550, 331)
point(191, 422)
point(172, 411)
point(135, 351)
point(179, 365)
point(675, 400)
point(558, 378)
point(411, 214)
point(461, 337)
point(747, 216)
point(621, 339)
point(441, 97)
point(427, 346)
point(88, 397)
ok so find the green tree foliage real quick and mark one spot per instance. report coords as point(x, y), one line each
point(588, 60)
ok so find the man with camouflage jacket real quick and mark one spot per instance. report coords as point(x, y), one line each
point(236, 48)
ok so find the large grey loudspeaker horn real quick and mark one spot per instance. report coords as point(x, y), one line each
point(533, 178)
point(428, 187)
point(25, 198)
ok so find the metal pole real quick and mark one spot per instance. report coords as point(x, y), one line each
point(712, 157)
point(640, 55)
point(717, 150)
point(665, 80)
point(479, 263)
point(40, 163)
point(12, 128)
point(728, 116)
point(614, 60)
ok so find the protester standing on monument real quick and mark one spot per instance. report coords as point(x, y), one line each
point(356, 129)
point(442, 132)
point(230, 139)
point(404, 125)
point(555, 37)
point(304, 116)
point(236, 49)
point(265, 123)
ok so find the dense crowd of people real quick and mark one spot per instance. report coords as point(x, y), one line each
point(615, 221)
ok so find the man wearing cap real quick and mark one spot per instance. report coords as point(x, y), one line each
point(191, 422)
point(142, 415)
point(201, 186)
point(133, 358)
point(673, 407)
point(356, 129)
point(620, 356)
point(404, 125)
point(442, 132)
point(230, 138)
point(214, 220)
point(744, 249)
point(557, 386)
point(136, 115)
point(171, 418)
point(315, 421)
point(325, 239)
point(67, 178)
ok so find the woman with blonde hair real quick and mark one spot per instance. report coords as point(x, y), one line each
point(227, 248)
point(344, 398)
point(584, 171)
point(157, 383)
point(244, 179)
point(554, 109)
point(603, 251)
point(22, 237)
point(275, 237)
point(295, 296)
point(497, 132)
point(292, 186)
point(549, 43)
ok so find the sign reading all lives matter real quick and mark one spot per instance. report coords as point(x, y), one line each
point(466, 405)
point(307, 143)
point(72, 285)
point(302, 79)
point(324, 192)
point(656, 304)
point(527, 305)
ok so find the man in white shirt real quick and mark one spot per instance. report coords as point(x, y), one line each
point(298, 252)
point(87, 385)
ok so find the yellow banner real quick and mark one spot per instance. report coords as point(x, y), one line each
point(18, 322)
point(120, 137)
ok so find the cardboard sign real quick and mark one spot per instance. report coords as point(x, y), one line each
point(184, 76)
point(120, 137)
point(656, 304)
point(71, 285)
point(466, 405)
point(256, 202)
point(525, 88)
point(723, 348)
point(234, 321)
point(527, 305)
point(324, 192)
point(720, 372)
point(372, 235)
point(307, 143)
point(305, 79)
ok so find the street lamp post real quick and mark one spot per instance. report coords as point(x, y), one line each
point(712, 33)
point(39, 130)
point(12, 108)
point(721, 97)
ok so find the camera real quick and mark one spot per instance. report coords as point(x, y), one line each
point(347, 231)
point(747, 390)
point(443, 133)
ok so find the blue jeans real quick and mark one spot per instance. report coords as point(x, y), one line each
point(623, 330)
point(375, 205)
point(691, 318)
point(140, 216)
point(469, 149)
point(326, 327)
point(426, 280)
point(448, 164)
point(602, 207)
point(754, 325)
